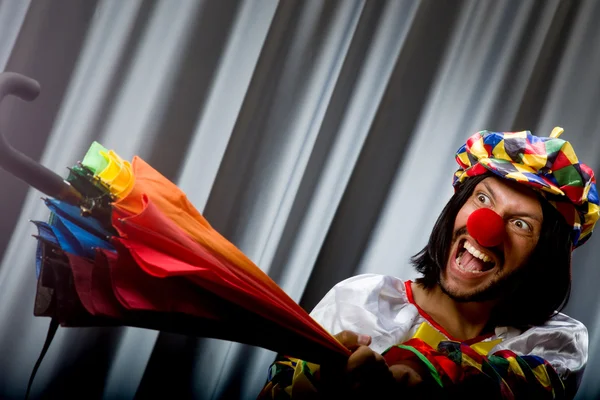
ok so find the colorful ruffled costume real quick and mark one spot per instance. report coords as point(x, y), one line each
point(545, 361)
point(513, 363)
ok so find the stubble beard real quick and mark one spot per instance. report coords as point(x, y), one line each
point(496, 289)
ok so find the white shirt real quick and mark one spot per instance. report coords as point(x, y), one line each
point(382, 307)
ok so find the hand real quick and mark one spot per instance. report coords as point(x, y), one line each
point(364, 374)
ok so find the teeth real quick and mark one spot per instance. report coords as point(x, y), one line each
point(476, 253)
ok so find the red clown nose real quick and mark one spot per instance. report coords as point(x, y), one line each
point(485, 226)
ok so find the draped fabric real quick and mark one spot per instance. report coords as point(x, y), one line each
point(317, 136)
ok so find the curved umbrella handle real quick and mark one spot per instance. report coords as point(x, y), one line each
point(17, 163)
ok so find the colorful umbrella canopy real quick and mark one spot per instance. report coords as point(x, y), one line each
point(124, 246)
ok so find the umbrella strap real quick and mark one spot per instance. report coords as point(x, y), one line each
point(51, 331)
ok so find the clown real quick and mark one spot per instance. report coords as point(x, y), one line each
point(483, 319)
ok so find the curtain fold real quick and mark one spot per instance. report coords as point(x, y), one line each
point(12, 14)
point(318, 136)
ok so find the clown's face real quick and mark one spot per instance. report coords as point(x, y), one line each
point(473, 272)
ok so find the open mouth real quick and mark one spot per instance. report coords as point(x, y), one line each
point(471, 260)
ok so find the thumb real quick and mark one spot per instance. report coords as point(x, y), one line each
point(353, 340)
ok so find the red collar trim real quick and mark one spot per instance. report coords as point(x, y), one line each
point(411, 299)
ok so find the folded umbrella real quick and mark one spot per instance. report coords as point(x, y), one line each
point(124, 246)
point(112, 289)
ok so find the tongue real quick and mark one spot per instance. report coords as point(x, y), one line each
point(471, 263)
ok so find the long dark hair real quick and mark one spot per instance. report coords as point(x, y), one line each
point(544, 284)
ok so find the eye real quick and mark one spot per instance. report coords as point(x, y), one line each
point(521, 224)
point(483, 199)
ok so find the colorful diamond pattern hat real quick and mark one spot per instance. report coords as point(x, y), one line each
point(547, 164)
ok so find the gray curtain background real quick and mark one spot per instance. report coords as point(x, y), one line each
point(318, 136)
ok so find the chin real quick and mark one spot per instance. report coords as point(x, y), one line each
point(480, 293)
point(497, 287)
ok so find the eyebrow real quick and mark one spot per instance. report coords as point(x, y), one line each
point(489, 189)
point(522, 214)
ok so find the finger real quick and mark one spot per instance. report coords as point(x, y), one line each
point(367, 371)
point(405, 375)
point(353, 340)
point(364, 358)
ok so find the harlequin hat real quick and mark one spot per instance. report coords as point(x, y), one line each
point(548, 165)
